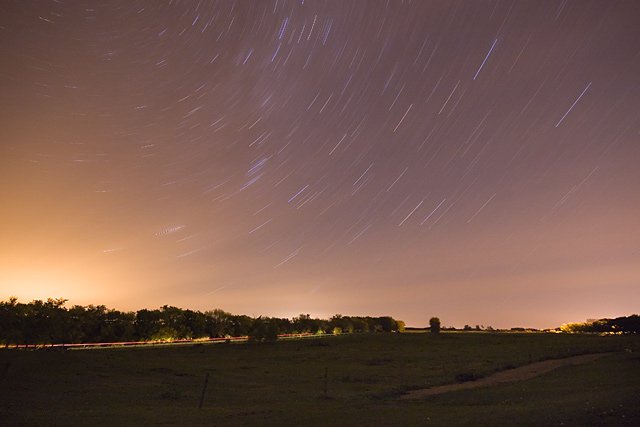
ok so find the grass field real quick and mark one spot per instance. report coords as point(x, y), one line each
point(284, 383)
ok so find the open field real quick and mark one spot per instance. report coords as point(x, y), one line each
point(284, 383)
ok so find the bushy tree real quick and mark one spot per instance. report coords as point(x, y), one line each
point(387, 323)
point(11, 322)
point(343, 323)
point(263, 330)
point(240, 325)
point(218, 323)
point(147, 323)
point(360, 325)
point(434, 325)
point(305, 324)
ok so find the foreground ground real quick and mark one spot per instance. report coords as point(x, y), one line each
point(284, 383)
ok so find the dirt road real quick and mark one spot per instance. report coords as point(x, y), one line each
point(511, 375)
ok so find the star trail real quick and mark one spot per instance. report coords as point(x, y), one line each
point(474, 160)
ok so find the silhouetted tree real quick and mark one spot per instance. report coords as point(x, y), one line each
point(304, 324)
point(360, 325)
point(263, 330)
point(147, 323)
point(240, 325)
point(196, 323)
point(11, 322)
point(434, 325)
point(387, 324)
point(50, 322)
point(339, 324)
point(219, 323)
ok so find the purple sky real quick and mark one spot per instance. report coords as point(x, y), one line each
point(473, 160)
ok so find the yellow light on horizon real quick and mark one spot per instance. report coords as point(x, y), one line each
point(30, 285)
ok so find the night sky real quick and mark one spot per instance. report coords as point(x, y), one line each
point(473, 160)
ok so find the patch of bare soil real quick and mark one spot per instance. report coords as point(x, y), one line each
point(511, 375)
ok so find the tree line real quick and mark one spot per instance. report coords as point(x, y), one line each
point(620, 325)
point(51, 322)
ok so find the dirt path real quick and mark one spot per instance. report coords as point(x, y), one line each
point(511, 375)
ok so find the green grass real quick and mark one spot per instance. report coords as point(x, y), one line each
point(283, 383)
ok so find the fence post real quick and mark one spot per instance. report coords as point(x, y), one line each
point(326, 377)
point(204, 390)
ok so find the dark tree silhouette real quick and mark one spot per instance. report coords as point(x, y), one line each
point(434, 325)
point(263, 330)
point(50, 322)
